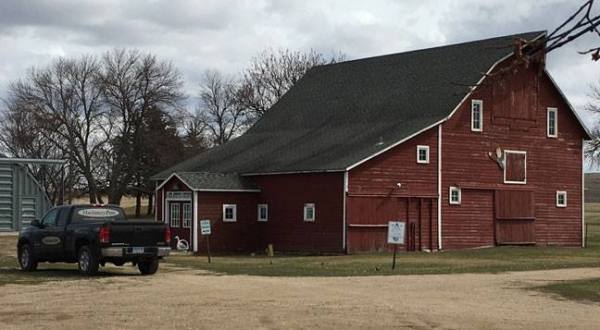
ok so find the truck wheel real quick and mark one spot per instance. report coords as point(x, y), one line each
point(148, 267)
point(87, 262)
point(27, 259)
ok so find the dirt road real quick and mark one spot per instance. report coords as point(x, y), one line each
point(195, 300)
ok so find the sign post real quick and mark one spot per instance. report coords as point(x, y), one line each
point(395, 236)
point(205, 231)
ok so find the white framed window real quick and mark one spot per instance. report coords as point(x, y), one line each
point(552, 123)
point(515, 167)
point(561, 199)
point(454, 196)
point(263, 212)
point(229, 212)
point(476, 115)
point(309, 212)
point(187, 215)
point(423, 154)
point(174, 215)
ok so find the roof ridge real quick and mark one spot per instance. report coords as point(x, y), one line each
point(539, 33)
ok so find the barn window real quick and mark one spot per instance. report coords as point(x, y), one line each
point(309, 212)
point(175, 215)
point(552, 123)
point(515, 167)
point(455, 196)
point(561, 199)
point(187, 215)
point(263, 212)
point(229, 212)
point(423, 154)
point(476, 115)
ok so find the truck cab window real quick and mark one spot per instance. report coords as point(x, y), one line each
point(50, 218)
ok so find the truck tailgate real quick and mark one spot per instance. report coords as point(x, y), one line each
point(137, 233)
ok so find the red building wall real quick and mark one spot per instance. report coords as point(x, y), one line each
point(514, 118)
point(239, 236)
point(286, 195)
point(374, 197)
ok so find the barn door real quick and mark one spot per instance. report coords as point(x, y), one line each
point(515, 217)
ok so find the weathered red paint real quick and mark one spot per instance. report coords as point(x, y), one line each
point(374, 197)
point(514, 118)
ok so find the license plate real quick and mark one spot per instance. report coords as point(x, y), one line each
point(137, 250)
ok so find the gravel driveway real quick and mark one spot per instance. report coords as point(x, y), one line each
point(194, 300)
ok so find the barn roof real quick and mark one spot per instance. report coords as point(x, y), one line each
point(340, 114)
point(204, 181)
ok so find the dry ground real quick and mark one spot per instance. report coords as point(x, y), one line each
point(196, 300)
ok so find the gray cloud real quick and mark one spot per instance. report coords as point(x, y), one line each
point(224, 35)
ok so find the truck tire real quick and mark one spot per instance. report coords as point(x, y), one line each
point(87, 262)
point(27, 258)
point(148, 267)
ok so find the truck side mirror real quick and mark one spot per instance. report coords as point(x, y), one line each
point(35, 223)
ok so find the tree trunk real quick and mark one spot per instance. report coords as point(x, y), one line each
point(150, 204)
point(138, 203)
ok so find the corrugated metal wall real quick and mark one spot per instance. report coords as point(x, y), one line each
point(21, 197)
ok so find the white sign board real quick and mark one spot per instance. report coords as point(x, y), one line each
point(205, 227)
point(396, 232)
point(98, 213)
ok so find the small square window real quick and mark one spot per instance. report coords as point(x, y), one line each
point(263, 212)
point(309, 212)
point(552, 123)
point(476, 115)
point(454, 196)
point(423, 154)
point(229, 212)
point(561, 199)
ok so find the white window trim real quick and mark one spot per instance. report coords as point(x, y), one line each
point(558, 193)
point(266, 206)
point(506, 152)
point(234, 207)
point(426, 148)
point(450, 190)
point(480, 129)
point(177, 220)
point(555, 111)
point(305, 212)
point(187, 222)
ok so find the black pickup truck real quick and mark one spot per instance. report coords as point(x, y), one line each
point(92, 235)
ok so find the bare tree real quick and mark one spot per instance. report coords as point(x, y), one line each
point(64, 102)
point(218, 112)
point(133, 83)
point(272, 73)
point(19, 136)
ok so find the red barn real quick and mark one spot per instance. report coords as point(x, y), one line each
point(468, 153)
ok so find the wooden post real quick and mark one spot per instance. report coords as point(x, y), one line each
point(208, 247)
point(394, 259)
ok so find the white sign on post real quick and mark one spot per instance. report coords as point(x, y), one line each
point(396, 232)
point(205, 227)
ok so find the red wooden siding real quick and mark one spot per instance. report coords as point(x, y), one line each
point(514, 118)
point(286, 195)
point(239, 236)
point(374, 197)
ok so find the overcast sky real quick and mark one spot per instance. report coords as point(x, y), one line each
point(224, 35)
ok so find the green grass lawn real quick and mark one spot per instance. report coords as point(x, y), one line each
point(587, 290)
point(492, 260)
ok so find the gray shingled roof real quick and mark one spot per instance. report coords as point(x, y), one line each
point(216, 181)
point(340, 114)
